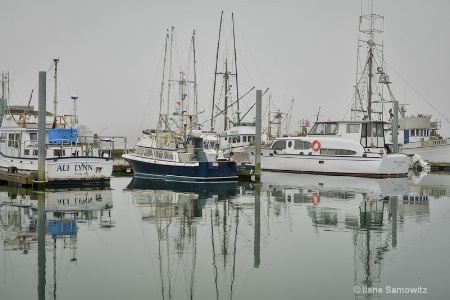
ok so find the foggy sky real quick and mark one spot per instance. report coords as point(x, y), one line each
point(111, 54)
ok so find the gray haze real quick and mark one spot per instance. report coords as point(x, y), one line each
point(111, 54)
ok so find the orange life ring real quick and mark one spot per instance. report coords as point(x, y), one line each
point(315, 198)
point(315, 145)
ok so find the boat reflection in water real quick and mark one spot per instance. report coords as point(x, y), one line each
point(219, 217)
point(191, 195)
point(197, 226)
point(63, 215)
point(369, 208)
point(63, 208)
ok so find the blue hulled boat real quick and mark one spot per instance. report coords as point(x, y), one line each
point(176, 149)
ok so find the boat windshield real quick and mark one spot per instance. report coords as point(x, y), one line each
point(209, 145)
point(325, 128)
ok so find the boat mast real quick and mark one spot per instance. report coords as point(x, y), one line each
point(5, 94)
point(195, 85)
point(162, 81)
point(369, 90)
point(215, 72)
point(55, 101)
point(225, 111)
point(235, 67)
point(170, 75)
point(370, 24)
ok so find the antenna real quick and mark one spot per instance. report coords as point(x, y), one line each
point(75, 117)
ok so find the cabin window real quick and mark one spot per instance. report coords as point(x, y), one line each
point(244, 139)
point(373, 130)
point(325, 128)
point(380, 130)
point(33, 136)
point(3, 137)
point(159, 154)
point(26, 152)
point(353, 128)
point(279, 145)
point(140, 151)
point(328, 151)
point(169, 155)
point(13, 140)
point(59, 152)
point(302, 145)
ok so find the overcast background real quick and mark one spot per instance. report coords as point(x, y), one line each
point(111, 54)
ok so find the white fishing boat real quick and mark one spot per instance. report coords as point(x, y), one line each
point(351, 148)
point(67, 159)
point(176, 150)
point(418, 134)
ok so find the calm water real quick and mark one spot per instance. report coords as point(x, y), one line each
point(293, 237)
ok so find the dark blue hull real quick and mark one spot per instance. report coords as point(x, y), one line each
point(203, 171)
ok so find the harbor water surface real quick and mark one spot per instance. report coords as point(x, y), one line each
point(292, 237)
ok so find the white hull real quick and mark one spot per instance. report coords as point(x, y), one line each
point(376, 166)
point(65, 168)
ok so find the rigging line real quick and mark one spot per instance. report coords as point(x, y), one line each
point(251, 54)
point(152, 92)
point(222, 111)
point(423, 97)
point(64, 79)
point(254, 104)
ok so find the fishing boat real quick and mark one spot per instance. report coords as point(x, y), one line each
point(351, 148)
point(236, 134)
point(176, 150)
point(417, 134)
point(68, 160)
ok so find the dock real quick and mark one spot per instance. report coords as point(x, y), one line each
point(439, 167)
point(14, 178)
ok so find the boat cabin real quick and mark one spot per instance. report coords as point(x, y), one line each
point(370, 134)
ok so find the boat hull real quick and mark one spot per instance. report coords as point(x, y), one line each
point(65, 170)
point(198, 171)
point(378, 167)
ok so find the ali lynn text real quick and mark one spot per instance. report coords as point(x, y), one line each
point(82, 167)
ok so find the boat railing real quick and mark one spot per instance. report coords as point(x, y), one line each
point(62, 142)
